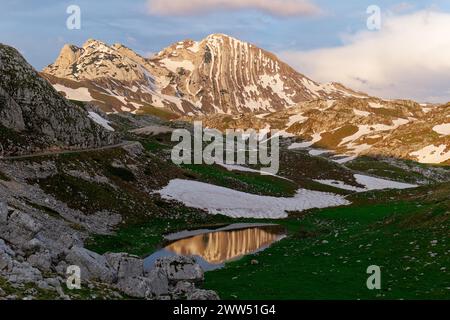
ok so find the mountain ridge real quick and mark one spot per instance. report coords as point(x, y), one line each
point(220, 77)
point(219, 74)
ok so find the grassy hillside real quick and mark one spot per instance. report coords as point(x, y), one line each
point(327, 253)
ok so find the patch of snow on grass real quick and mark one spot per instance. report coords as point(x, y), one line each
point(369, 183)
point(236, 167)
point(298, 118)
point(236, 204)
point(375, 105)
point(80, 94)
point(317, 152)
point(340, 185)
point(372, 183)
point(432, 154)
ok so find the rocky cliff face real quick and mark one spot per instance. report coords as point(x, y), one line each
point(219, 74)
point(33, 116)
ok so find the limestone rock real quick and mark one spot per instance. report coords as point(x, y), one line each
point(200, 294)
point(41, 260)
point(180, 268)
point(93, 266)
point(32, 109)
point(126, 266)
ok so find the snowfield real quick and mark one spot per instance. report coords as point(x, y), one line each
point(372, 183)
point(369, 183)
point(80, 94)
point(237, 204)
point(361, 113)
point(432, 154)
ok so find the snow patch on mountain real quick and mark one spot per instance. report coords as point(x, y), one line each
point(174, 65)
point(80, 94)
point(364, 130)
point(432, 154)
point(442, 129)
point(369, 183)
point(100, 120)
point(361, 113)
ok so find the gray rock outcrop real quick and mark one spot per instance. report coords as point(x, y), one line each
point(37, 116)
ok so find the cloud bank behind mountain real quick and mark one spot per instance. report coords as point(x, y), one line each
point(407, 58)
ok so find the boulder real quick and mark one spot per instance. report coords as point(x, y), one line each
point(158, 283)
point(134, 149)
point(200, 294)
point(23, 220)
point(152, 286)
point(134, 287)
point(180, 268)
point(125, 265)
point(23, 272)
point(32, 246)
point(93, 266)
point(41, 260)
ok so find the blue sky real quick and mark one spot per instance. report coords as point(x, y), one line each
point(38, 28)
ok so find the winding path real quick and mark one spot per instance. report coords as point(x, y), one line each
point(50, 153)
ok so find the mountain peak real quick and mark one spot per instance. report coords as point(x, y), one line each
point(219, 36)
point(220, 39)
point(93, 43)
point(96, 59)
point(219, 74)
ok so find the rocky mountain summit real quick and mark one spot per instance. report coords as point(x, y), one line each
point(219, 74)
point(34, 117)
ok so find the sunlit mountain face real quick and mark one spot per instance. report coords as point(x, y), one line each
point(223, 246)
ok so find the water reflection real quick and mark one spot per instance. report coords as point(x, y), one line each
point(213, 248)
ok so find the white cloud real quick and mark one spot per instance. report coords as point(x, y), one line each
point(408, 58)
point(192, 7)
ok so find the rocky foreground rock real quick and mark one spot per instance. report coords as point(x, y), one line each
point(41, 237)
point(26, 259)
point(34, 117)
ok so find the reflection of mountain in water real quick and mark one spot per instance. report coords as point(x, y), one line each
point(218, 247)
